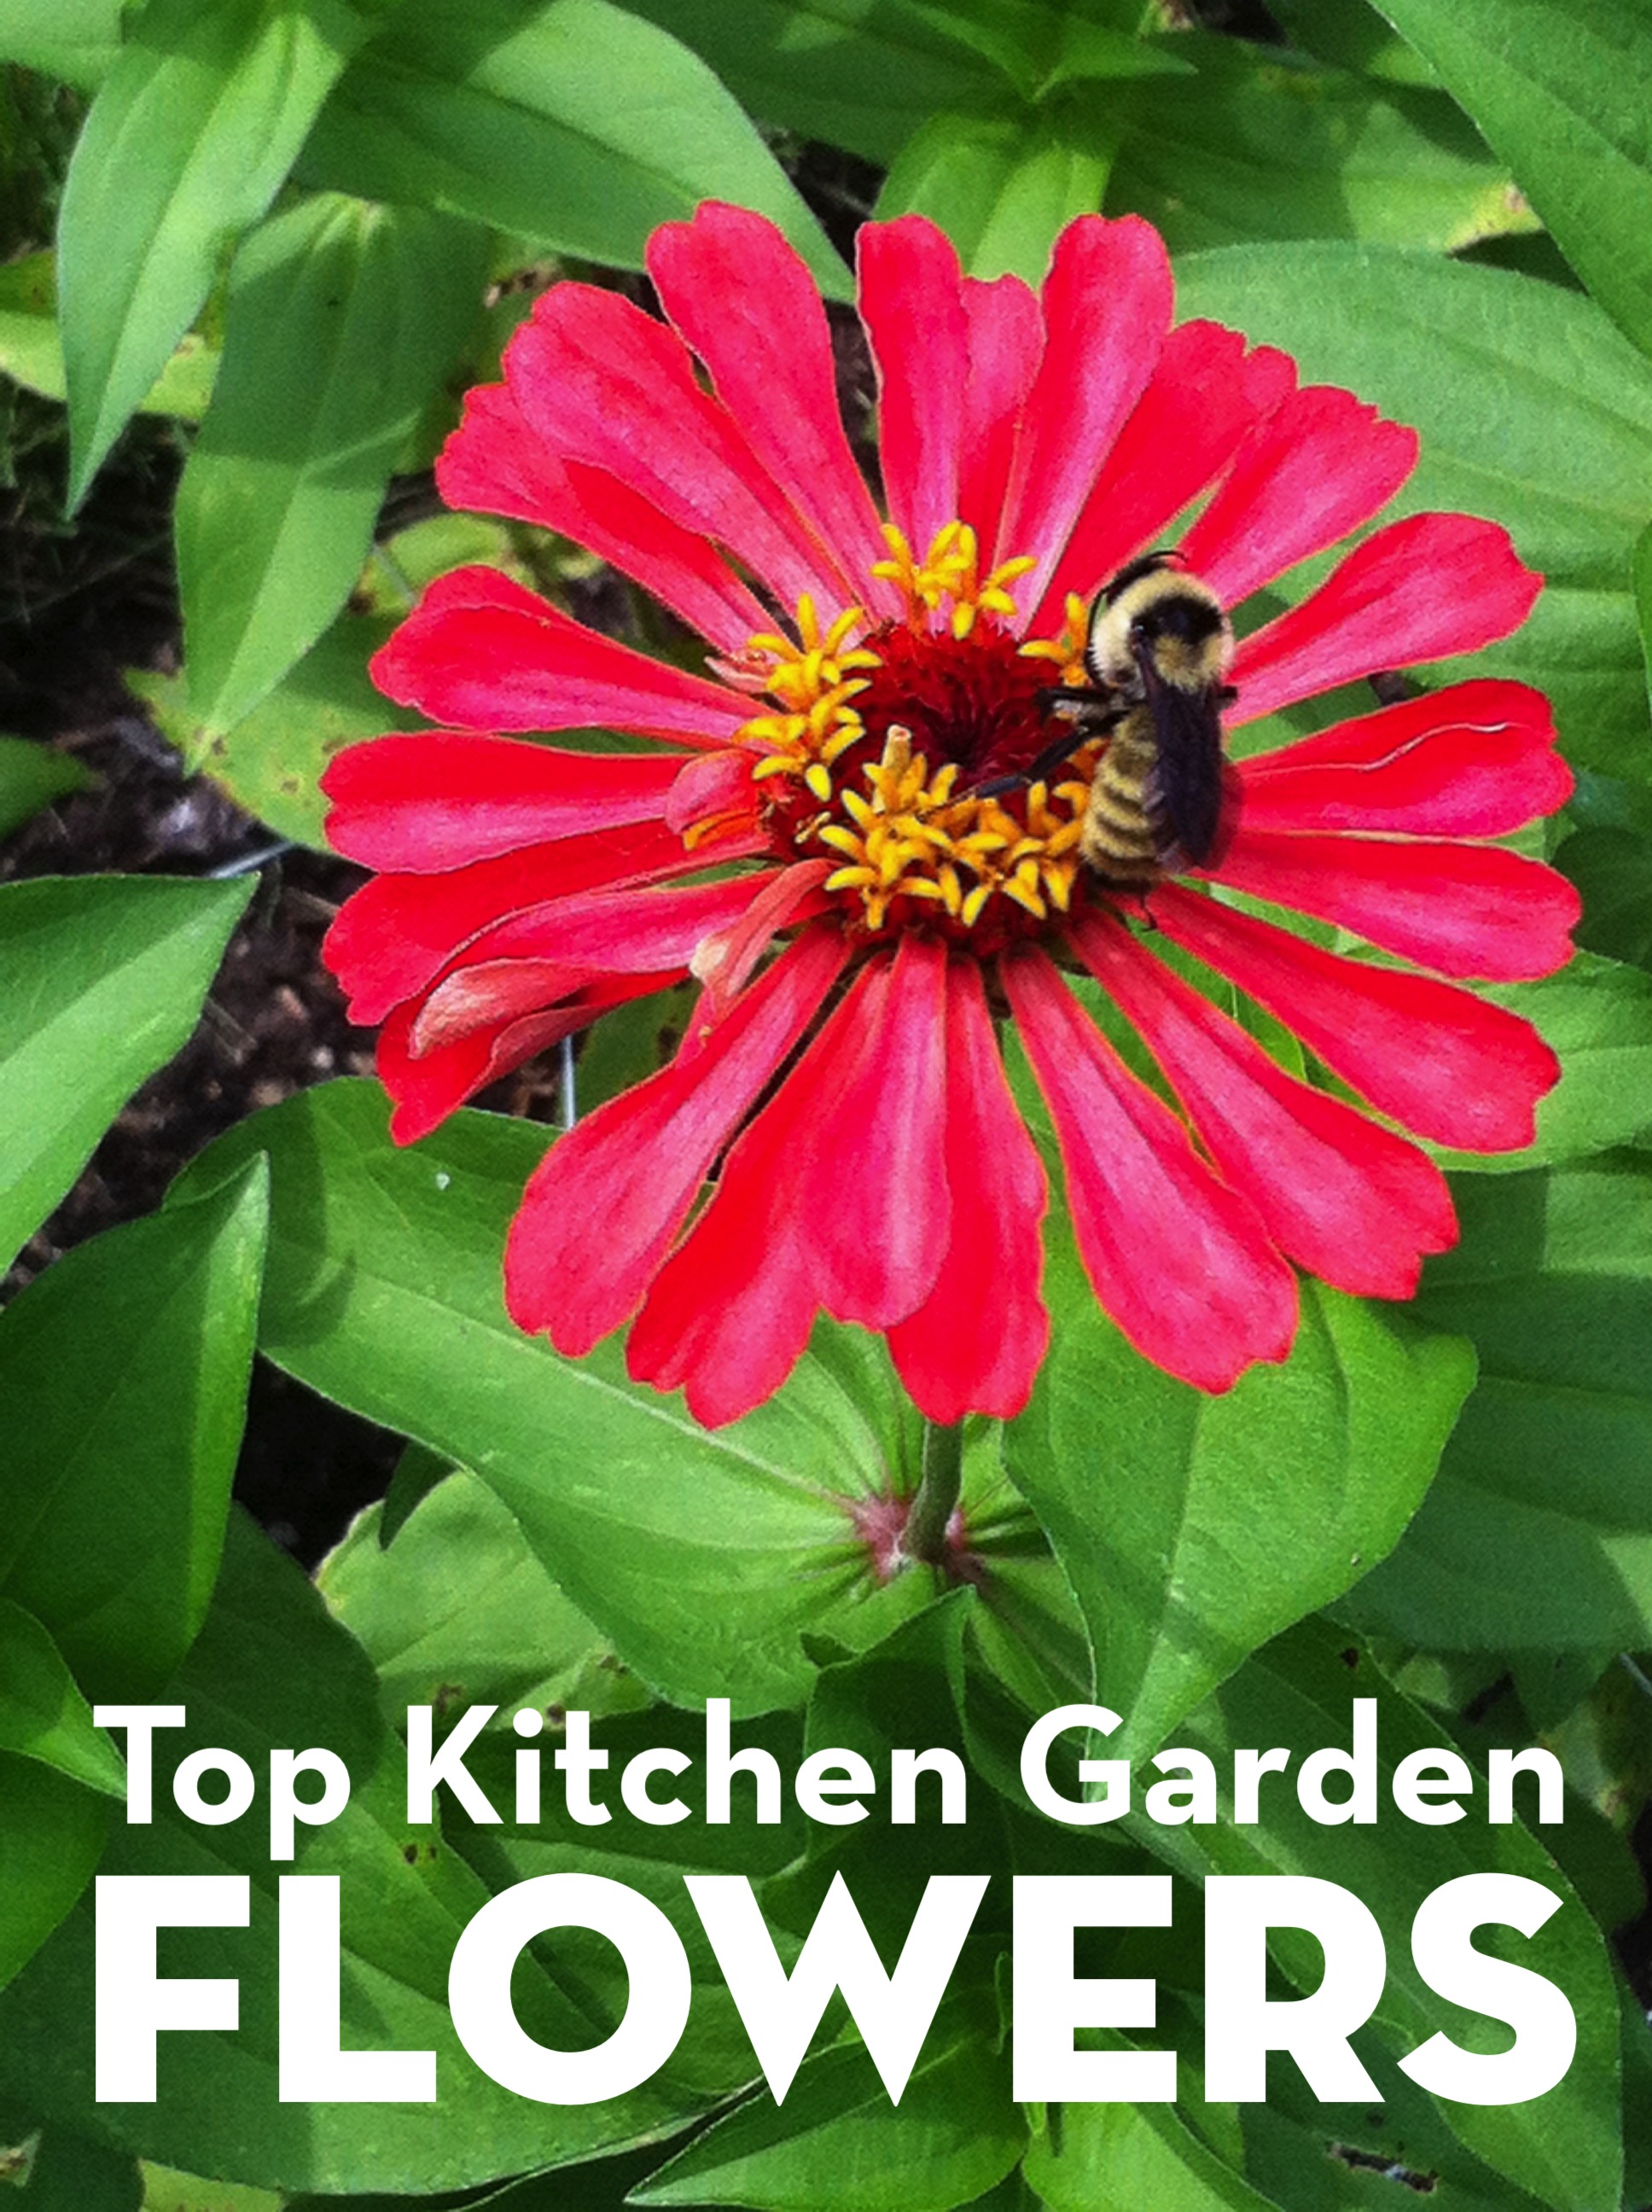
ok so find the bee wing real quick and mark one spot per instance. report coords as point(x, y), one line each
point(1189, 788)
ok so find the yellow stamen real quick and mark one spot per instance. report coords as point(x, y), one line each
point(899, 824)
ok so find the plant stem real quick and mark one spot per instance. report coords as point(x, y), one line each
point(924, 1536)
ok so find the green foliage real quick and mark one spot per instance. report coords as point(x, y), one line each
point(339, 319)
point(188, 140)
point(1533, 410)
point(1191, 1529)
point(1550, 1283)
point(455, 1604)
point(123, 1376)
point(838, 2145)
point(1213, 140)
point(124, 1370)
point(569, 122)
point(31, 777)
point(104, 979)
point(1564, 2149)
point(31, 345)
point(79, 40)
point(1558, 89)
point(704, 1557)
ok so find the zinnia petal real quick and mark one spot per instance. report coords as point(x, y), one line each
point(495, 464)
point(1321, 466)
point(491, 994)
point(729, 1314)
point(912, 304)
point(744, 299)
point(443, 799)
point(1206, 394)
point(606, 1203)
point(601, 382)
point(1438, 1059)
point(726, 958)
point(716, 786)
point(877, 1166)
point(1179, 1261)
point(428, 1086)
point(975, 1344)
point(622, 931)
point(1476, 760)
point(1006, 341)
point(394, 936)
point(1351, 1201)
point(1419, 590)
point(1461, 909)
point(1107, 305)
point(480, 651)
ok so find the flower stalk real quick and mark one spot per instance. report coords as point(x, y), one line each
point(937, 1497)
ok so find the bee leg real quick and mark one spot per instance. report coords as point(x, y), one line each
point(1068, 695)
point(1133, 906)
point(1045, 765)
point(1227, 695)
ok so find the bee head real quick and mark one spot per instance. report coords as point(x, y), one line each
point(1154, 611)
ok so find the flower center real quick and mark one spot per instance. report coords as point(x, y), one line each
point(876, 737)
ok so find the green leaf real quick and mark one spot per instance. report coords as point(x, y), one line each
point(271, 763)
point(838, 2145)
point(1118, 2158)
point(1002, 184)
point(1612, 871)
point(166, 2189)
point(1637, 2098)
point(631, 1043)
point(1351, 35)
point(187, 143)
point(1597, 1014)
point(124, 1372)
point(1095, 54)
point(418, 1472)
point(1533, 410)
point(715, 2058)
point(1260, 145)
point(702, 1557)
point(1559, 86)
point(67, 2172)
point(30, 346)
point(340, 322)
point(104, 976)
point(1192, 1528)
point(834, 70)
point(1539, 1532)
point(43, 1715)
point(1403, 2140)
point(270, 1668)
point(1563, 2147)
point(569, 121)
point(1037, 49)
point(456, 1607)
point(51, 1836)
point(31, 777)
point(77, 40)
point(1641, 573)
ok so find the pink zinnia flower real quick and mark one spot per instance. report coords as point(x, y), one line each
point(803, 833)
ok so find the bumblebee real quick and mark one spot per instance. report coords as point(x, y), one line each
point(1157, 653)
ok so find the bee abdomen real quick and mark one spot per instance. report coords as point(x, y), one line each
point(1118, 842)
